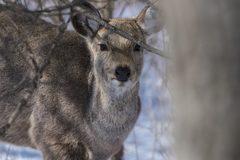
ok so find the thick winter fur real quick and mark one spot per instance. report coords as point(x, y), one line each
point(79, 110)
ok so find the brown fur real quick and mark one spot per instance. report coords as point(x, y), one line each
point(76, 112)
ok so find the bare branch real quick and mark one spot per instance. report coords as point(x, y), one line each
point(118, 31)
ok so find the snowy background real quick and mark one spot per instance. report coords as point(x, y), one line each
point(151, 137)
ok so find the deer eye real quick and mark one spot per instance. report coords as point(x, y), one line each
point(103, 47)
point(137, 47)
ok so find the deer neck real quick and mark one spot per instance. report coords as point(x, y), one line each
point(112, 113)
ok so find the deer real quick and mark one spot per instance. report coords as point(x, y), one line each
point(86, 102)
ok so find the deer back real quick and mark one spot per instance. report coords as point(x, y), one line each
point(65, 79)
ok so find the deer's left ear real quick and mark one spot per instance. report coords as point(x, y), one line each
point(151, 20)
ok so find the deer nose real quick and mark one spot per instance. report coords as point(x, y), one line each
point(122, 74)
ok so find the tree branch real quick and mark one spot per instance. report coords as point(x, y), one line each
point(118, 31)
point(100, 21)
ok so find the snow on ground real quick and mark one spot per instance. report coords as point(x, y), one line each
point(11, 152)
point(151, 137)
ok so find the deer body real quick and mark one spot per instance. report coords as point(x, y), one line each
point(86, 102)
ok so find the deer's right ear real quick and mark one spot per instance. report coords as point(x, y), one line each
point(85, 26)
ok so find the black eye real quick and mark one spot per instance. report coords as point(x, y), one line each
point(103, 47)
point(137, 47)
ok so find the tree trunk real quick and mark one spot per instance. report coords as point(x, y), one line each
point(205, 37)
point(105, 8)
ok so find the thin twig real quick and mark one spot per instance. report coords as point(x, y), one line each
point(135, 142)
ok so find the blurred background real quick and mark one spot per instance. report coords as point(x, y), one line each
point(151, 138)
point(202, 37)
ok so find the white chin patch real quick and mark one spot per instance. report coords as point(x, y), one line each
point(121, 87)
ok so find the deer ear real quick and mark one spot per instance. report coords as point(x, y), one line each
point(151, 20)
point(85, 26)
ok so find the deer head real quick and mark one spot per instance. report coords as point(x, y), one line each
point(117, 62)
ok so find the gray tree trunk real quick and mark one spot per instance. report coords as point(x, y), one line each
point(105, 7)
point(205, 37)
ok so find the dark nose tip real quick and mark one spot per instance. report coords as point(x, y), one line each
point(122, 74)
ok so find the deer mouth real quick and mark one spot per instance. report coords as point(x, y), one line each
point(119, 84)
